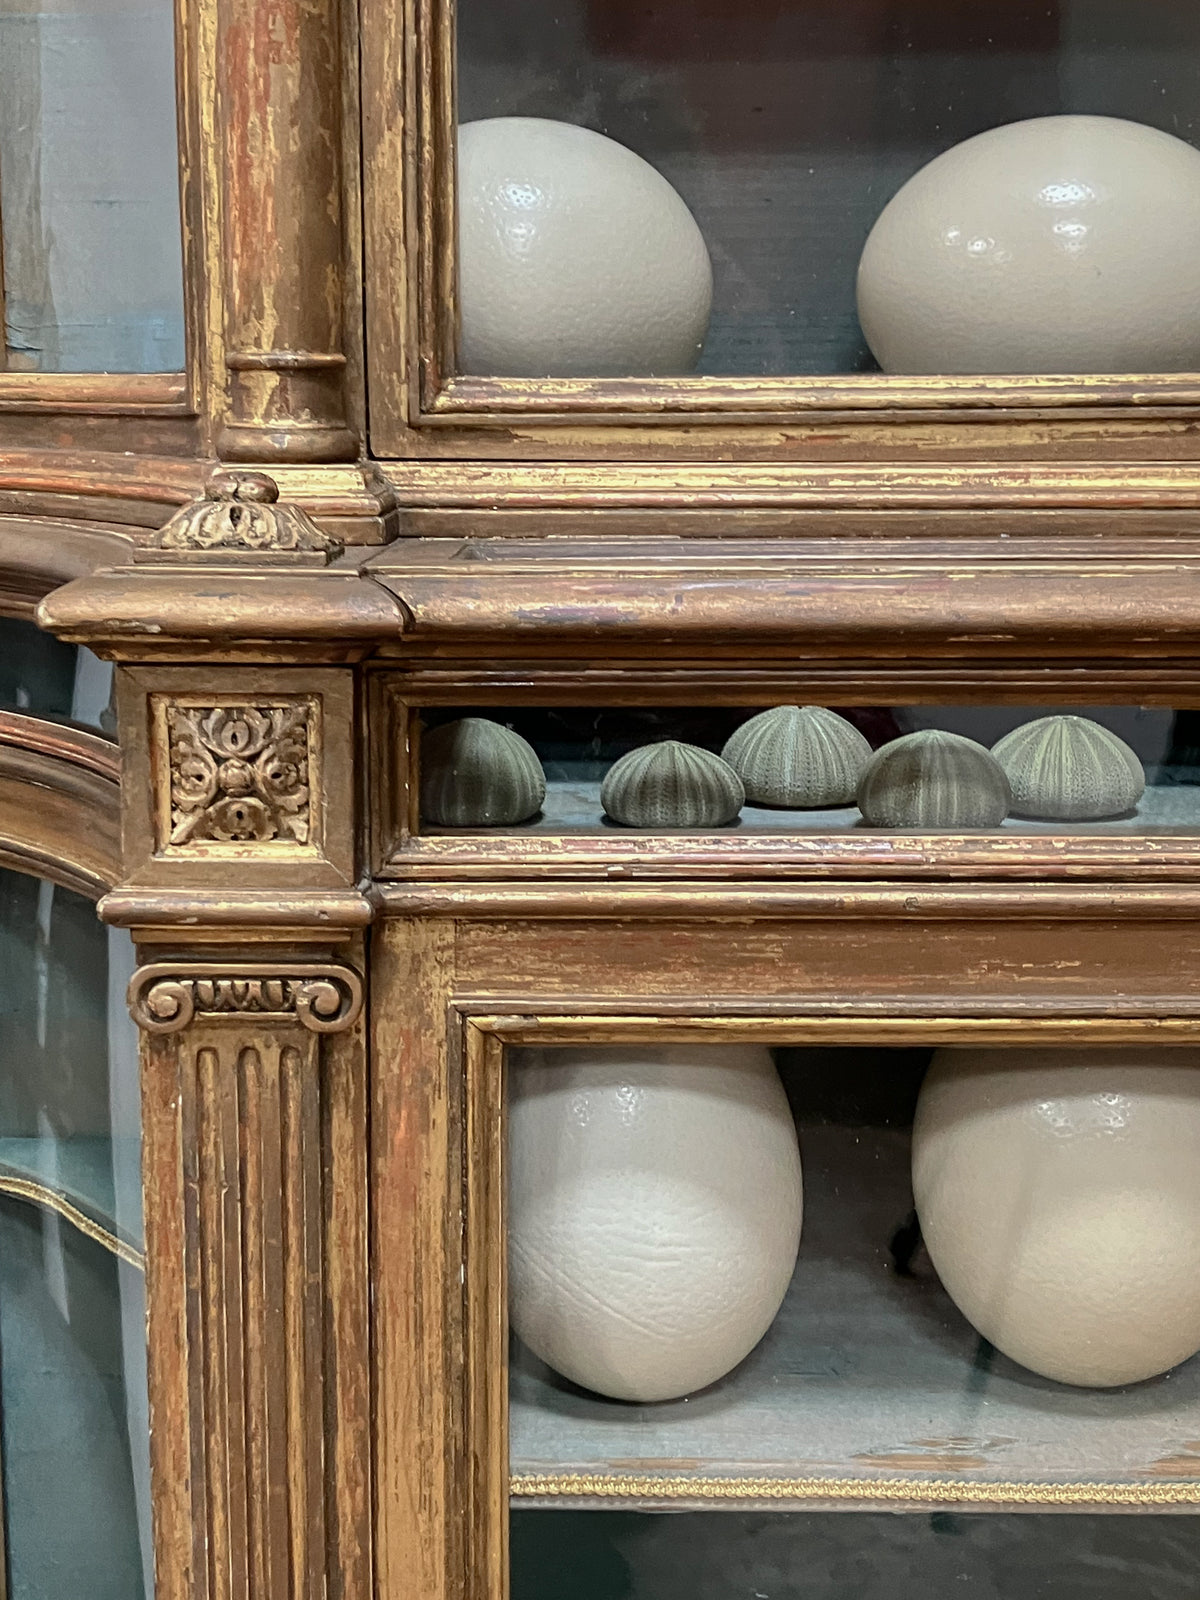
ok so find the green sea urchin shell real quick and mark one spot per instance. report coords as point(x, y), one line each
point(1069, 769)
point(798, 756)
point(672, 785)
point(934, 780)
point(477, 774)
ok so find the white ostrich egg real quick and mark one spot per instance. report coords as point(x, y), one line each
point(1059, 1198)
point(654, 1212)
point(575, 257)
point(1062, 244)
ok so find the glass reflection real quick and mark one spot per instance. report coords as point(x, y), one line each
point(606, 1555)
point(89, 187)
point(74, 1427)
point(43, 677)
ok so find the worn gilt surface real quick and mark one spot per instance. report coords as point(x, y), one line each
point(238, 773)
point(166, 997)
point(241, 513)
point(328, 1399)
point(253, 1070)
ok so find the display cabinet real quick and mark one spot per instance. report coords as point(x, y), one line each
point(649, 559)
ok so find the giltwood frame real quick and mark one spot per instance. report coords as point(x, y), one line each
point(951, 965)
point(421, 406)
point(59, 804)
point(326, 1349)
point(156, 396)
point(268, 118)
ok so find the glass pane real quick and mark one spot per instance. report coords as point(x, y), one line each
point(785, 130)
point(89, 187)
point(760, 1556)
point(46, 678)
point(74, 1427)
point(860, 1276)
point(607, 771)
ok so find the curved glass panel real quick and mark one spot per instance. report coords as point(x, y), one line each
point(46, 678)
point(89, 186)
point(74, 1429)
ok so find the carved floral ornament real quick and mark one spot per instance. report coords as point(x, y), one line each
point(166, 997)
point(241, 511)
point(239, 773)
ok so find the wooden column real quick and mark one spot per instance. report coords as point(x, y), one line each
point(253, 1077)
point(279, 66)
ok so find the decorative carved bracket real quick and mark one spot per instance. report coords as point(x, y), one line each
point(241, 513)
point(165, 997)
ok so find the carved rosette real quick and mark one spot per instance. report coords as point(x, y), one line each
point(241, 513)
point(239, 773)
point(167, 997)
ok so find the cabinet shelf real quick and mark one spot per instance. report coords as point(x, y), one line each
point(573, 807)
point(869, 1387)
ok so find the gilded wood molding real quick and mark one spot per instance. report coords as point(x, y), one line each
point(321, 917)
point(59, 803)
point(639, 1492)
point(908, 480)
point(880, 966)
point(42, 1194)
point(238, 780)
point(254, 1154)
point(772, 600)
point(134, 614)
point(241, 513)
point(589, 615)
point(279, 87)
point(37, 555)
point(238, 773)
point(420, 406)
point(916, 904)
point(167, 997)
point(252, 1239)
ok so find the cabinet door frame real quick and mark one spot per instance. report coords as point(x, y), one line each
point(154, 398)
point(460, 972)
point(60, 810)
point(420, 406)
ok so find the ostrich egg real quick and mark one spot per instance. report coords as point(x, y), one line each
point(654, 1212)
point(1062, 244)
point(1059, 1198)
point(575, 257)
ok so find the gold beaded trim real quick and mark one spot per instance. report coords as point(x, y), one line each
point(27, 1189)
point(925, 1491)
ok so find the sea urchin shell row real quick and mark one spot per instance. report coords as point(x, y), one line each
point(1054, 769)
point(477, 773)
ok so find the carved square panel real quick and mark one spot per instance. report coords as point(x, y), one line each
point(236, 776)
